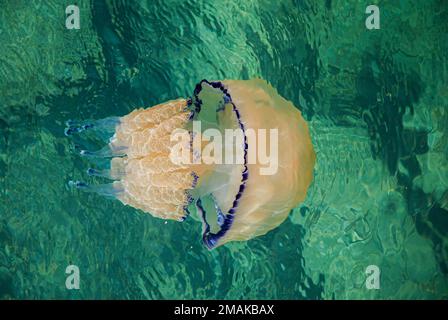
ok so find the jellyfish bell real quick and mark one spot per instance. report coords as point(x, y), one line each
point(269, 172)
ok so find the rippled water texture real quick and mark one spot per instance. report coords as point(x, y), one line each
point(376, 102)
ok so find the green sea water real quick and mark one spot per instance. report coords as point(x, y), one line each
point(376, 102)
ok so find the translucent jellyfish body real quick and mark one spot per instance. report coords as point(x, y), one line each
point(236, 153)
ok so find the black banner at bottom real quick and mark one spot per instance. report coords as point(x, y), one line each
point(214, 309)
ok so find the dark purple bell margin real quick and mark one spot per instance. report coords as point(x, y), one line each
point(210, 239)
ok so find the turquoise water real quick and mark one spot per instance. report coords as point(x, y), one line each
point(376, 102)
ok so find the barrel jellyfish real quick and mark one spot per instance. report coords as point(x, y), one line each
point(239, 187)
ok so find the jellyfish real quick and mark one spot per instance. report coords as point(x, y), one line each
point(235, 155)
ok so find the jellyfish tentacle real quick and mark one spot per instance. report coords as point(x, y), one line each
point(105, 173)
point(108, 151)
point(103, 128)
point(107, 190)
point(223, 222)
point(205, 225)
point(220, 215)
